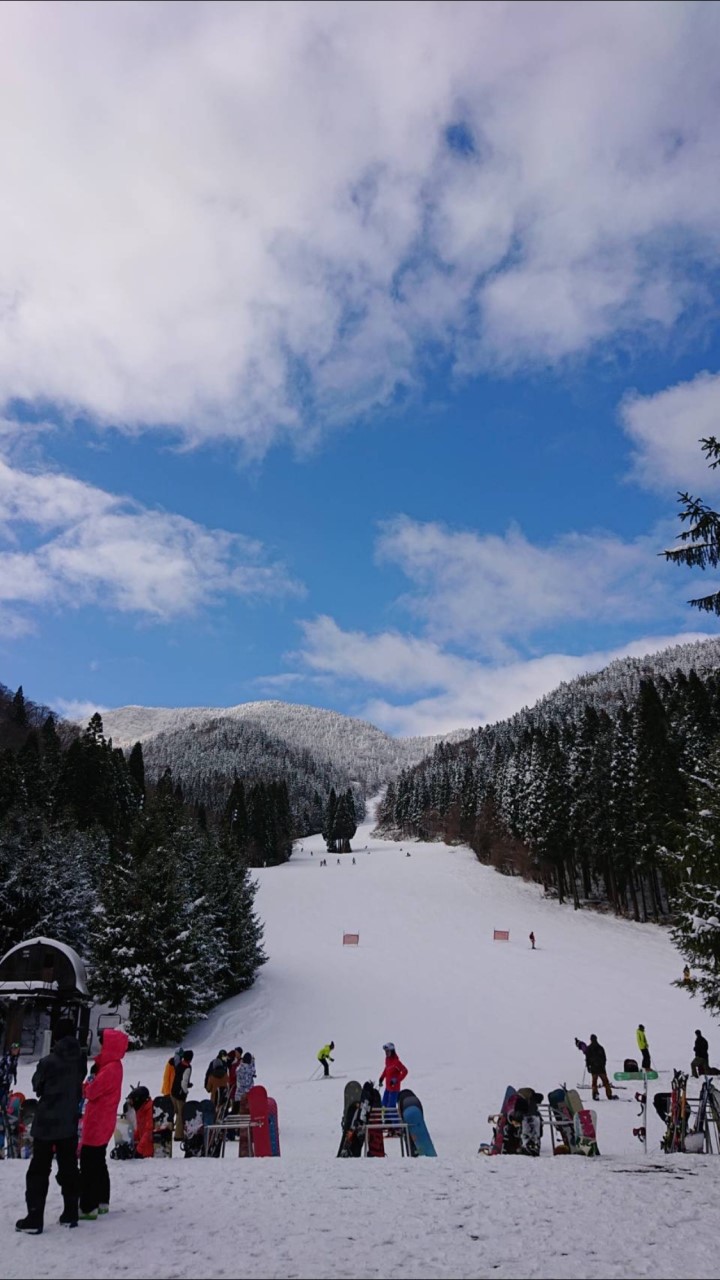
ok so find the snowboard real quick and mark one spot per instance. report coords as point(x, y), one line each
point(274, 1126)
point(258, 1107)
point(635, 1075)
point(411, 1111)
point(562, 1116)
point(193, 1129)
point(163, 1125)
point(351, 1110)
point(527, 1117)
point(374, 1140)
point(584, 1124)
point(500, 1122)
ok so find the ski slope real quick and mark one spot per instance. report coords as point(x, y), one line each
point(468, 1016)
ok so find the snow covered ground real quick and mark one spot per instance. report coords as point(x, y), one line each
point(468, 1016)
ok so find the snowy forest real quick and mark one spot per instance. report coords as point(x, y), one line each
point(153, 892)
point(605, 792)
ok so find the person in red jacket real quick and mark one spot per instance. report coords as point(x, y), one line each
point(102, 1093)
point(393, 1076)
point(143, 1133)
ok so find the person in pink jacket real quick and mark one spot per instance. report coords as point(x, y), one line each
point(102, 1092)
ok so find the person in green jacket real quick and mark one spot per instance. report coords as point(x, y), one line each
point(324, 1056)
point(643, 1046)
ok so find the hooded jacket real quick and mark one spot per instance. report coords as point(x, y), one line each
point(103, 1090)
point(58, 1082)
point(143, 1135)
point(394, 1073)
point(641, 1039)
point(595, 1058)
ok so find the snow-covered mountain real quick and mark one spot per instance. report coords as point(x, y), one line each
point(205, 746)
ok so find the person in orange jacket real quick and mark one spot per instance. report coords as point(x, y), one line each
point(393, 1075)
point(143, 1133)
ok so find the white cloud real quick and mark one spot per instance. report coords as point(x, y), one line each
point(487, 592)
point(244, 220)
point(93, 547)
point(666, 429)
point(458, 692)
point(77, 709)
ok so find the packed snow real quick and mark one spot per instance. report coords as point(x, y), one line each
point(468, 1016)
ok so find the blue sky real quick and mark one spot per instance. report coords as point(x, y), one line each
point(351, 355)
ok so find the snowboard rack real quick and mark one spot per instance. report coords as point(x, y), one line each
point(387, 1120)
point(236, 1125)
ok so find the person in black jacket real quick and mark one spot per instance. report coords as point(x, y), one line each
point(58, 1082)
point(596, 1062)
point(700, 1065)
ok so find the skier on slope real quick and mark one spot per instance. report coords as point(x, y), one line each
point(324, 1056)
point(393, 1075)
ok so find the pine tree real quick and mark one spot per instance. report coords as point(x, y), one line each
point(701, 540)
point(696, 931)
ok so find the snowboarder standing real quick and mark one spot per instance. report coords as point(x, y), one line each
point(324, 1056)
point(596, 1062)
point(58, 1082)
point(393, 1075)
point(180, 1090)
point(700, 1065)
point(643, 1046)
point(531, 935)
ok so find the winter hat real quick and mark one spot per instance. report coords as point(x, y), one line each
point(593, 1037)
point(188, 1055)
point(640, 1026)
point(389, 1047)
point(698, 1033)
point(64, 1028)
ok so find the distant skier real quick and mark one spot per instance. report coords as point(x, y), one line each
point(407, 855)
point(532, 940)
point(324, 1056)
point(643, 1046)
point(353, 862)
point(393, 1075)
point(596, 1062)
point(700, 1065)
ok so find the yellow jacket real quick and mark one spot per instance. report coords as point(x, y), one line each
point(324, 1052)
point(641, 1039)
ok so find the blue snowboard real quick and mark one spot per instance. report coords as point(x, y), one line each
point(412, 1113)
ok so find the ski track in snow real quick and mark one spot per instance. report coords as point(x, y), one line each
point(468, 1017)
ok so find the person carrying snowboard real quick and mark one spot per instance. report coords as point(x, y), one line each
point(643, 1046)
point(596, 1063)
point(393, 1075)
point(324, 1056)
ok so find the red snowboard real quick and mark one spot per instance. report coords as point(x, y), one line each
point(258, 1106)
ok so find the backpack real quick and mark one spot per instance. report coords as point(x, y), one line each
point(630, 1065)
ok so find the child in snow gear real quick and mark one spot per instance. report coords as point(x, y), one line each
point(324, 1056)
point(596, 1062)
point(141, 1103)
point(102, 1093)
point(394, 1072)
point(58, 1082)
point(700, 1065)
point(643, 1046)
point(180, 1090)
point(245, 1078)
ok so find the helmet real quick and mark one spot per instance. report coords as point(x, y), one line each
point(389, 1047)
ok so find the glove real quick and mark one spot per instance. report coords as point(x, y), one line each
point(331, 1059)
point(380, 1080)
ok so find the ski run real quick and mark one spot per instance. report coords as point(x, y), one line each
point(469, 1016)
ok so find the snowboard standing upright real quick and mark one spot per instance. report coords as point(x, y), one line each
point(258, 1106)
point(163, 1125)
point(349, 1145)
point(585, 1125)
point(501, 1123)
point(411, 1111)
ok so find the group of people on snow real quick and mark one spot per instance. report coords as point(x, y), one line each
point(66, 1092)
point(596, 1060)
point(228, 1079)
